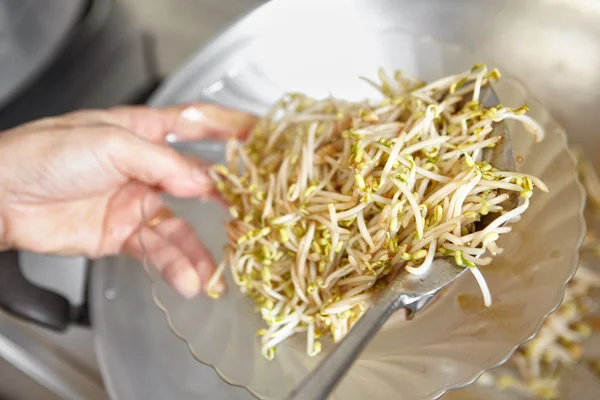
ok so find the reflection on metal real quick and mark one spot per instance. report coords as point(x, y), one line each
point(520, 35)
point(37, 360)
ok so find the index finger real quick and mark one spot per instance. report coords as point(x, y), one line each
point(184, 122)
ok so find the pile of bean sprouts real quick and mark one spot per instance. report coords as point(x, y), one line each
point(537, 364)
point(330, 198)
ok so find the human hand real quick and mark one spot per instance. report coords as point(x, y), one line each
point(74, 185)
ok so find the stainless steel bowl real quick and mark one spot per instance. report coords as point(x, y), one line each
point(528, 40)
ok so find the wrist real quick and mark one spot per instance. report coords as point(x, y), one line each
point(4, 184)
point(3, 242)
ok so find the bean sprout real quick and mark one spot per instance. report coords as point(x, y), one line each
point(337, 197)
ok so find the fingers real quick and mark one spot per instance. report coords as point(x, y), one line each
point(157, 165)
point(172, 264)
point(181, 233)
point(179, 256)
point(124, 215)
point(170, 243)
point(184, 122)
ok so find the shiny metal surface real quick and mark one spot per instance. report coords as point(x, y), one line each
point(553, 45)
point(30, 354)
point(32, 32)
point(103, 65)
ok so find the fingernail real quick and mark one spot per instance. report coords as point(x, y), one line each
point(192, 114)
point(219, 286)
point(207, 267)
point(171, 137)
point(200, 176)
point(213, 120)
point(191, 121)
point(187, 283)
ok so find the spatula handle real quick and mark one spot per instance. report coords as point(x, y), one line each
point(325, 377)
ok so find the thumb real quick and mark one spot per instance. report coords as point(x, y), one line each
point(158, 165)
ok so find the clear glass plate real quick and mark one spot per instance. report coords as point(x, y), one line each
point(451, 342)
point(579, 382)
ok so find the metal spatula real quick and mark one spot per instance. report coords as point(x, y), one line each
point(407, 291)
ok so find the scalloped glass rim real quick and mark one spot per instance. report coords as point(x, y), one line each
point(503, 350)
point(577, 382)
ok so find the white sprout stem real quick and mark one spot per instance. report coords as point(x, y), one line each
point(413, 204)
point(529, 123)
point(500, 221)
point(351, 213)
point(424, 144)
point(424, 268)
point(487, 296)
point(363, 229)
